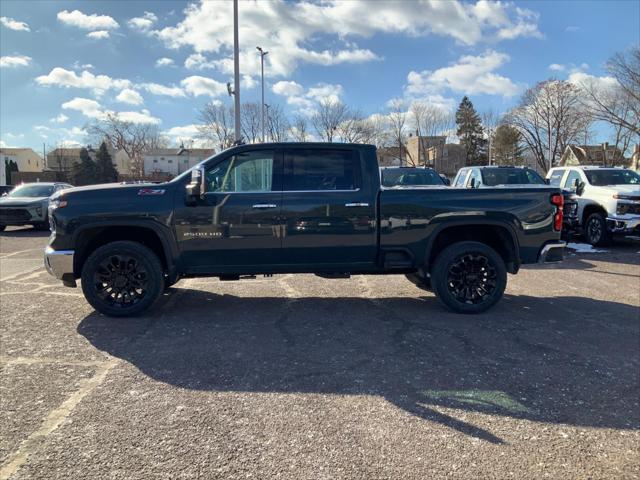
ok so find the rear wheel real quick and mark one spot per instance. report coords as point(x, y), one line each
point(122, 279)
point(469, 277)
point(596, 231)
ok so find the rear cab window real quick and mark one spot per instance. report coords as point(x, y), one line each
point(320, 169)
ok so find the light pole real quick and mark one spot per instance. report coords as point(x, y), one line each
point(265, 107)
point(262, 54)
point(236, 72)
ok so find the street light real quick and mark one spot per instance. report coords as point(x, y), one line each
point(236, 72)
point(265, 107)
point(262, 55)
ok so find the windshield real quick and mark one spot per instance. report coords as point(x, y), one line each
point(32, 191)
point(394, 177)
point(600, 178)
point(510, 176)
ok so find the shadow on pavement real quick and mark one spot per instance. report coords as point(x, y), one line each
point(25, 232)
point(565, 360)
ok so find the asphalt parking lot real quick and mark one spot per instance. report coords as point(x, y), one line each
point(301, 377)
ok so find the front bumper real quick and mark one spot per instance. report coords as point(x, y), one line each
point(623, 224)
point(552, 252)
point(22, 215)
point(59, 263)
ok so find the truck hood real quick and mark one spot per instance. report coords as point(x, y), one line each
point(630, 190)
point(21, 201)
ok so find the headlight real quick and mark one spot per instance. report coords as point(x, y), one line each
point(57, 202)
point(39, 210)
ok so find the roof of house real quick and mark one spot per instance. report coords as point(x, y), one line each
point(13, 151)
point(66, 151)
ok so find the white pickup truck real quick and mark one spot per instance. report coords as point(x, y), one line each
point(608, 200)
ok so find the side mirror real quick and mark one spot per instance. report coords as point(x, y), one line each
point(196, 188)
point(579, 188)
point(547, 181)
point(472, 183)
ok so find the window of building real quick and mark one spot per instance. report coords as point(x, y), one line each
point(155, 160)
point(170, 161)
point(321, 170)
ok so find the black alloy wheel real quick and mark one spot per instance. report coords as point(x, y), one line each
point(120, 280)
point(596, 230)
point(471, 278)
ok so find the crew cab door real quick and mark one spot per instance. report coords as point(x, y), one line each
point(328, 211)
point(236, 222)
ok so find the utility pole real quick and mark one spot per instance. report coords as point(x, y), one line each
point(265, 107)
point(262, 54)
point(236, 73)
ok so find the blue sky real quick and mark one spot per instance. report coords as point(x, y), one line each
point(65, 64)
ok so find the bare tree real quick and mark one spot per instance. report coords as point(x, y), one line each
point(327, 118)
point(490, 121)
point(278, 126)
point(217, 124)
point(549, 117)
point(299, 129)
point(397, 116)
point(250, 114)
point(133, 138)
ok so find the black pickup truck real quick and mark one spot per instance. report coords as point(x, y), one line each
point(296, 208)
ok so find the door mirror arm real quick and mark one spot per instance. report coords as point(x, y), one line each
point(196, 188)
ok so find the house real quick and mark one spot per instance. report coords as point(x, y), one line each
point(390, 156)
point(26, 159)
point(173, 161)
point(604, 155)
point(122, 162)
point(417, 147)
point(446, 158)
point(63, 159)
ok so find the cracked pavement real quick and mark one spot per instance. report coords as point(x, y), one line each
point(301, 377)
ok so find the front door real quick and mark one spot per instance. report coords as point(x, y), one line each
point(236, 223)
point(329, 214)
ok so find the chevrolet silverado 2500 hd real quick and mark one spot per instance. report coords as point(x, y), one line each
point(296, 208)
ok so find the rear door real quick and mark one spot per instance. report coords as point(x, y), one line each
point(328, 212)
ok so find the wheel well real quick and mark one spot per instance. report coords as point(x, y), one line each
point(494, 236)
point(93, 238)
point(589, 209)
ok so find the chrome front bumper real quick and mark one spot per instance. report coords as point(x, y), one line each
point(552, 252)
point(59, 263)
point(623, 224)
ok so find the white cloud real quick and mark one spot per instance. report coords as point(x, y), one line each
point(291, 31)
point(188, 134)
point(197, 86)
point(98, 34)
point(582, 79)
point(89, 108)
point(138, 117)
point(15, 61)
point(12, 24)
point(248, 82)
point(67, 78)
point(59, 119)
point(470, 75)
point(164, 62)
point(157, 89)
point(87, 22)
point(557, 67)
point(92, 109)
point(130, 96)
point(143, 23)
point(287, 88)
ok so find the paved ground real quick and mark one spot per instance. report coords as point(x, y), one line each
point(300, 377)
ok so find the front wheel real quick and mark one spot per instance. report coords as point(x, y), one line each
point(469, 277)
point(122, 279)
point(596, 230)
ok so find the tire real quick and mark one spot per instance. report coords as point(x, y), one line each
point(122, 279)
point(424, 283)
point(457, 277)
point(595, 230)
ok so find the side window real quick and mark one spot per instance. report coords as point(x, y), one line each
point(244, 172)
point(475, 174)
point(462, 175)
point(556, 178)
point(317, 169)
point(571, 180)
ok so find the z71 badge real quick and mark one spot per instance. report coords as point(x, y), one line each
point(151, 191)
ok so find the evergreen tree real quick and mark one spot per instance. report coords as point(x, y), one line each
point(10, 166)
point(84, 172)
point(471, 133)
point(105, 171)
point(507, 146)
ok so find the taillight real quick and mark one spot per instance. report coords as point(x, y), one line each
point(557, 200)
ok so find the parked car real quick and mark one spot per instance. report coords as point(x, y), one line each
point(410, 177)
point(296, 208)
point(608, 200)
point(27, 204)
point(500, 175)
